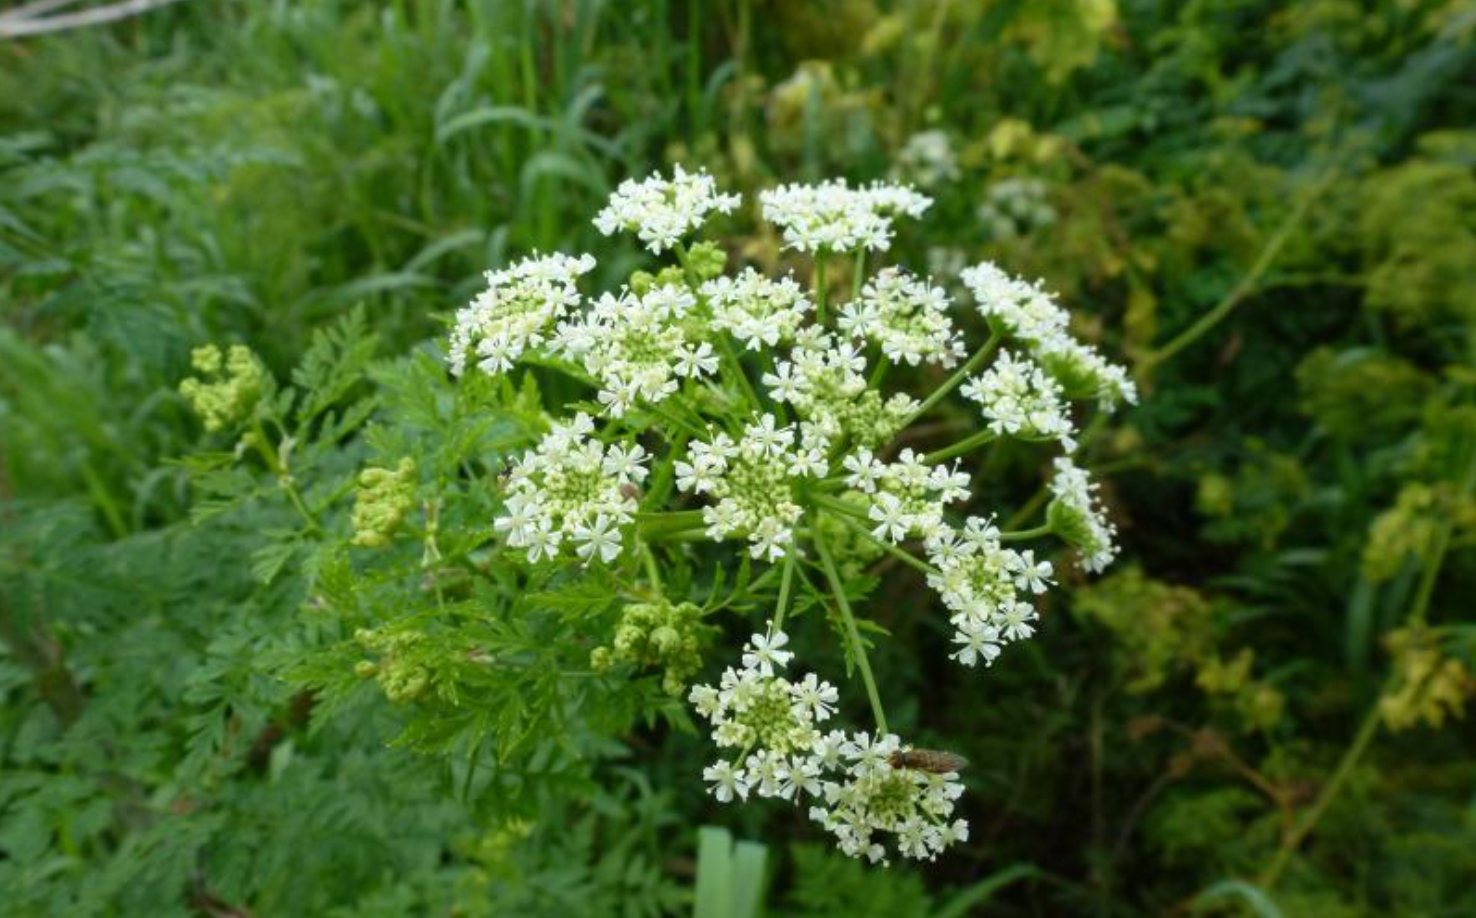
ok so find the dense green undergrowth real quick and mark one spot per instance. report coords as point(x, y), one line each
point(1269, 209)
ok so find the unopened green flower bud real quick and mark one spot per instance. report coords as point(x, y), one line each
point(707, 260)
point(228, 388)
point(384, 498)
point(641, 282)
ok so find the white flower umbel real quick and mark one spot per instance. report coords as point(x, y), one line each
point(906, 317)
point(752, 482)
point(661, 211)
point(825, 380)
point(907, 496)
point(571, 492)
point(756, 310)
point(834, 217)
point(928, 158)
point(878, 798)
point(771, 720)
point(1021, 400)
point(1030, 314)
point(636, 346)
point(516, 310)
point(1077, 516)
point(986, 588)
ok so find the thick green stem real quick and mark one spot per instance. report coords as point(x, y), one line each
point(1044, 529)
point(651, 524)
point(953, 382)
point(858, 275)
point(652, 571)
point(853, 634)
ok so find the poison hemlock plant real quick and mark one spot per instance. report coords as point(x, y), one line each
point(540, 548)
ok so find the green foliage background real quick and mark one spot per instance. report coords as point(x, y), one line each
point(1268, 208)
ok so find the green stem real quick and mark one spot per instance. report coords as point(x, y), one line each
point(858, 275)
point(735, 367)
point(784, 584)
point(1044, 529)
point(820, 289)
point(1243, 289)
point(652, 572)
point(893, 550)
point(852, 633)
point(880, 373)
point(648, 524)
point(953, 382)
point(1293, 841)
point(284, 477)
point(961, 447)
point(665, 472)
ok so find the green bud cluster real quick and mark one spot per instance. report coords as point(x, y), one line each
point(401, 675)
point(643, 282)
point(384, 498)
point(658, 635)
point(228, 387)
point(1428, 685)
point(1408, 529)
point(706, 261)
point(1259, 704)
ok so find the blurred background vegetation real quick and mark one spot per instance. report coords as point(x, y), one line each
point(1269, 209)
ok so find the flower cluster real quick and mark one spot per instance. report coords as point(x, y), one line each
point(516, 311)
point(1014, 207)
point(1077, 516)
point(1021, 400)
point(908, 496)
point(881, 794)
point(572, 488)
point(658, 634)
point(928, 158)
point(772, 719)
point(825, 381)
point(859, 785)
point(906, 317)
point(834, 217)
point(756, 310)
point(384, 498)
point(635, 346)
point(751, 481)
point(1031, 315)
point(661, 211)
point(984, 586)
point(228, 388)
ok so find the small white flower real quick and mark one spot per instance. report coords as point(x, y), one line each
point(980, 643)
point(598, 538)
point(764, 653)
point(726, 781)
point(1030, 574)
point(625, 464)
point(814, 699)
point(891, 518)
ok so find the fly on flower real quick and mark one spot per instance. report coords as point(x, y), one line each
point(932, 761)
